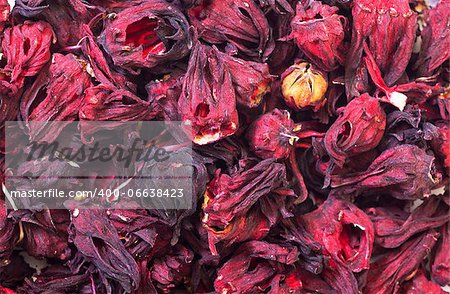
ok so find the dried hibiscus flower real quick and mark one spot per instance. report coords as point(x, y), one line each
point(65, 17)
point(164, 94)
point(45, 233)
point(4, 13)
point(441, 144)
point(208, 100)
point(272, 135)
point(27, 49)
point(420, 284)
point(359, 128)
point(393, 226)
point(58, 94)
point(9, 234)
point(389, 27)
point(240, 23)
point(251, 80)
point(146, 35)
point(228, 199)
point(104, 102)
point(435, 39)
point(253, 267)
point(319, 32)
point(345, 232)
point(404, 172)
point(98, 242)
point(440, 263)
point(172, 269)
point(304, 86)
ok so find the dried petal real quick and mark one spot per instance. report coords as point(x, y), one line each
point(272, 135)
point(319, 32)
point(404, 172)
point(57, 95)
point(440, 264)
point(435, 39)
point(393, 227)
point(27, 50)
point(97, 240)
point(251, 80)
point(239, 22)
point(208, 102)
point(303, 86)
point(359, 128)
point(389, 27)
point(146, 35)
point(420, 284)
point(345, 232)
point(238, 275)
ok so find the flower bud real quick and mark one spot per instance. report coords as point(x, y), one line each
point(272, 135)
point(358, 129)
point(303, 85)
point(208, 100)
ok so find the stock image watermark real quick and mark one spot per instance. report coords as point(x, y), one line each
point(97, 165)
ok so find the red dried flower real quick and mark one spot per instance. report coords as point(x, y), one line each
point(58, 94)
point(389, 271)
point(272, 135)
point(440, 263)
point(303, 86)
point(172, 269)
point(359, 128)
point(404, 172)
point(345, 232)
point(229, 199)
point(208, 100)
point(254, 266)
point(394, 226)
point(164, 94)
point(98, 241)
point(420, 284)
point(441, 144)
point(319, 32)
point(251, 80)
point(435, 39)
point(389, 28)
point(102, 103)
point(45, 233)
point(240, 23)
point(9, 234)
point(146, 35)
point(27, 50)
point(4, 13)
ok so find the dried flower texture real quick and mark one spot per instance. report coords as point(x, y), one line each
point(405, 172)
point(26, 49)
point(359, 128)
point(435, 39)
point(240, 23)
point(208, 99)
point(272, 135)
point(146, 35)
point(238, 275)
point(320, 156)
point(345, 232)
point(319, 32)
point(230, 201)
point(398, 265)
point(304, 86)
point(389, 28)
point(4, 13)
